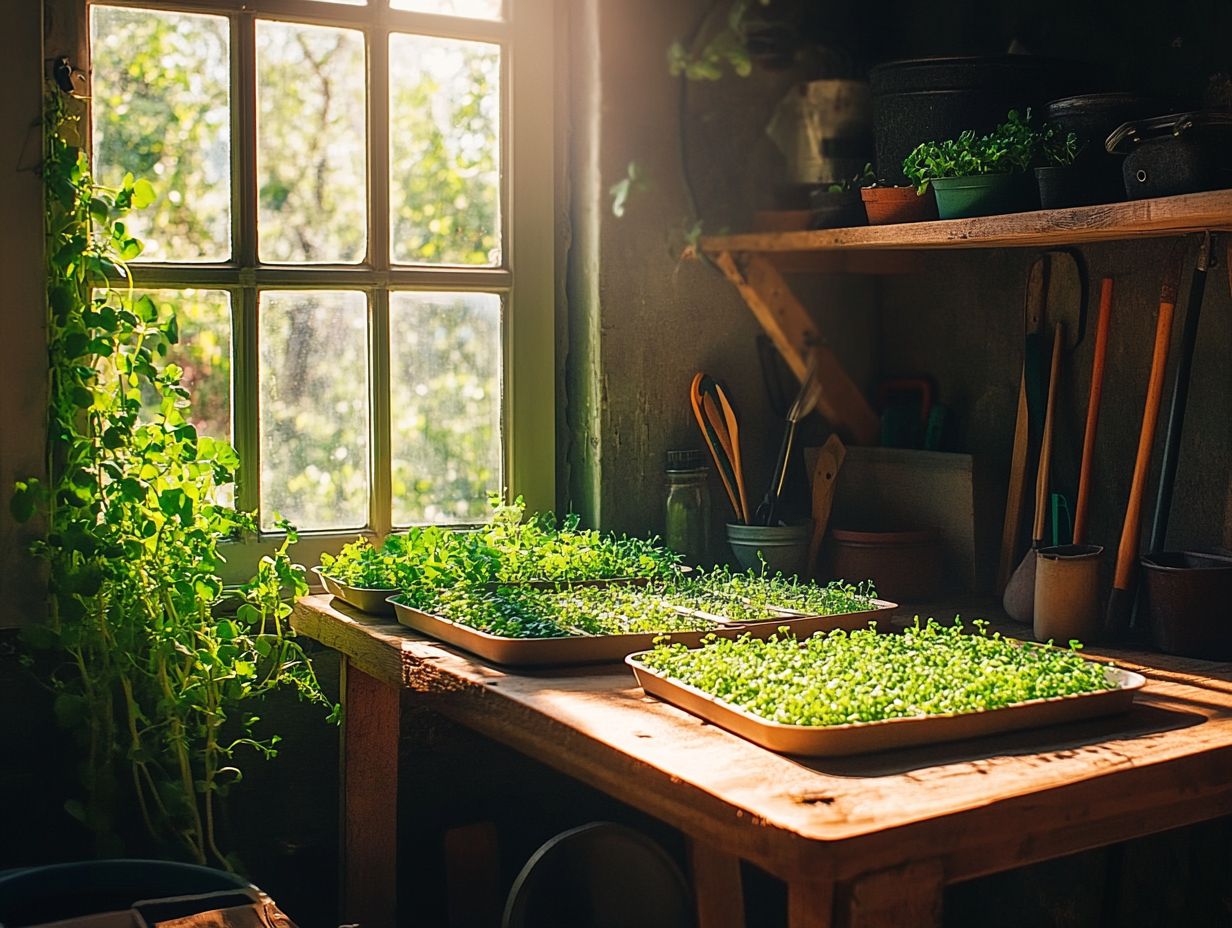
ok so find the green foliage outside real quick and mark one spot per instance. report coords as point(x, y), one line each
point(863, 676)
point(156, 689)
point(161, 110)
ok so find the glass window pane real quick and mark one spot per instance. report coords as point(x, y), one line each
point(444, 151)
point(314, 408)
point(161, 109)
point(311, 161)
point(203, 353)
point(475, 9)
point(445, 361)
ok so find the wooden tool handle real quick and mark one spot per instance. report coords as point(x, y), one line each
point(1131, 533)
point(1045, 460)
point(1097, 389)
point(825, 473)
point(1017, 489)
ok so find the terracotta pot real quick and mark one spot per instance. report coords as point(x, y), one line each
point(904, 566)
point(890, 205)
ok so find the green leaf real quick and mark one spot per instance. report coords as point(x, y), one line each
point(24, 499)
point(143, 194)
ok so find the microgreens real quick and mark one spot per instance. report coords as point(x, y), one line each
point(864, 676)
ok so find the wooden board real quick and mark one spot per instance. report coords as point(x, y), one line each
point(1194, 212)
point(975, 807)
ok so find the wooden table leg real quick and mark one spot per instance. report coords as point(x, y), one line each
point(810, 904)
point(906, 895)
point(370, 740)
point(717, 887)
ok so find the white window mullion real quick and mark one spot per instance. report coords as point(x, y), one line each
point(529, 209)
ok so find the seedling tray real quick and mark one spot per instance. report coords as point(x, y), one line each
point(868, 737)
point(802, 625)
point(599, 649)
point(372, 601)
point(543, 652)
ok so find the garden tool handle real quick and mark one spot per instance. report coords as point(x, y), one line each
point(1097, 389)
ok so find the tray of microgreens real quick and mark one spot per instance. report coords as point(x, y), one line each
point(507, 550)
point(756, 598)
point(536, 626)
point(525, 626)
point(861, 691)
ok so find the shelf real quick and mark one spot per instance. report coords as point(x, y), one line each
point(1163, 216)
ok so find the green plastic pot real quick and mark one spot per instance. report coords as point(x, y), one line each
point(984, 195)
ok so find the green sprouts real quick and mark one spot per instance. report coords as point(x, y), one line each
point(863, 676)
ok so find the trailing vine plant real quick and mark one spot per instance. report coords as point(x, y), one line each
point(156, 687)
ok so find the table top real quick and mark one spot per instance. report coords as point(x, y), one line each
point(978, 806)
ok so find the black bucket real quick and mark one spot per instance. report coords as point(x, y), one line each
point(931, 99)
point(1189, 597)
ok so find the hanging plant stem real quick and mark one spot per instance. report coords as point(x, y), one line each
point(151, 682)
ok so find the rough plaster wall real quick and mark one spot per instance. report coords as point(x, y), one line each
point(658, 319)
point(23, 357)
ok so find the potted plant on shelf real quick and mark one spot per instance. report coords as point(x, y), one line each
point(886, 204)
point(1061, 181)
point(839, 205)
point(978, 175)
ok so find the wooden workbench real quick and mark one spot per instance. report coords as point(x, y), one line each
point(863, 841)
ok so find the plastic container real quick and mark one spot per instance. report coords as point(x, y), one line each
point(687, 506)
point(984, 195)
point(783, 547)
point(1189, 598)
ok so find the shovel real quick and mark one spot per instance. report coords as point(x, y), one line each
point(1019, 597)
point(1120, 600)
point(1066, 596)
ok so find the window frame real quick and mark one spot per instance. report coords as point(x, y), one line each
point(524, 279)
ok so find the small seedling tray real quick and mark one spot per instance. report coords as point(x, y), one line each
point(600, 649)
point(372, 601)
point(802, 625)
point(543, 652)
point(868, 737)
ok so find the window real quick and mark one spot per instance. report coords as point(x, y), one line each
point(354, 221)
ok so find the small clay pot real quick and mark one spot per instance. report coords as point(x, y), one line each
point(904, 566)
point(891, 205)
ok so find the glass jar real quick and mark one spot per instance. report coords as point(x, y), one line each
point(687, 506)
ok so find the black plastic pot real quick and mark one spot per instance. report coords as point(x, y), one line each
point(836, 210)
point(929, 99)
point(1189, 598)
point(1174, 154)
point(1067, 185)
point(1092, 117)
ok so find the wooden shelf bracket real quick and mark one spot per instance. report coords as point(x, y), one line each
point(795, 334)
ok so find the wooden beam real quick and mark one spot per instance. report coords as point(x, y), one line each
point(370, 739)
point(794, 333)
